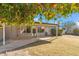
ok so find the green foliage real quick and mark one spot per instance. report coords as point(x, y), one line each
point(53, 31)
point(76, 31)
point(17, 13)
point(69, 24)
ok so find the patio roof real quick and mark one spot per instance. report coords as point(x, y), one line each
point(44, 24)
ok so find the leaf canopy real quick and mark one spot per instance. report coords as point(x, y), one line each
point(17, 13)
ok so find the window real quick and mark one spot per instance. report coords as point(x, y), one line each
point(34, 30)
point(28, 29)
point(41, 29)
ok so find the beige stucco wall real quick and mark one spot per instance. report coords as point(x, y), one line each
point(11, 33)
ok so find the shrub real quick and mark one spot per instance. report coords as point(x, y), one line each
point(76, 31)
point(53, 31)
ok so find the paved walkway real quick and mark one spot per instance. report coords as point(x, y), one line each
point(17, 44)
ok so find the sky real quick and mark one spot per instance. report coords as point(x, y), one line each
point(74, 17)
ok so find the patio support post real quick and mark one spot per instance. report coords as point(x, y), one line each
point(37, 32)
point(57, 31)
point(31, 31)
point(3, 33)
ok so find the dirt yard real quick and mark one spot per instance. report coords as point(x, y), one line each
point(66, 45)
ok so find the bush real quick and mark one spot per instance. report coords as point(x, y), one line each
point(53, 32)
point(76, 31)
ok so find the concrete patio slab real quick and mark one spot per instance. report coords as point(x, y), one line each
point(17, 44)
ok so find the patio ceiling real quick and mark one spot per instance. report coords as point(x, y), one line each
point(45, 24)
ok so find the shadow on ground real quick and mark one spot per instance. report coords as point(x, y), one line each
point(40, 42)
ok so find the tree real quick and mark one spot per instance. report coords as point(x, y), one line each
point(24, 13)
point(20, 13)
point(69, 25)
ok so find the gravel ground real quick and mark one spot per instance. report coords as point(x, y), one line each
point(66, 45)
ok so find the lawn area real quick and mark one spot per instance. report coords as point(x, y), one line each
point(64, 45)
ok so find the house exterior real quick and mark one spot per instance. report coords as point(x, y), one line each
point(27, 32)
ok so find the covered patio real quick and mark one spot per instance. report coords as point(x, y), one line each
point(31, 40)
